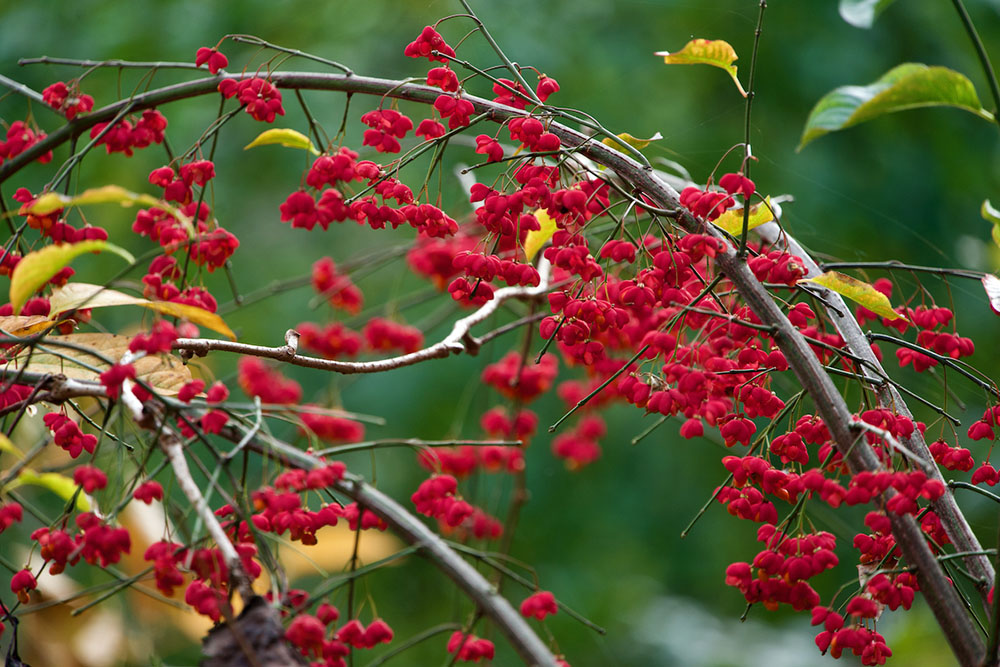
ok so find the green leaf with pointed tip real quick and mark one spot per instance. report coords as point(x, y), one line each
point(862, 13)
point(108, 194)
point(36, 268)
point(61, 485)
point(906, 86)
point(714, 52)
point(283, 137)
point(857, 291)
point(626, 138)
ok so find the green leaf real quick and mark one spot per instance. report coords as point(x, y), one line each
point(36, 268)
point(862, 13)
point(714, 52)
point(906, 86)
point(626, 138)
point(61, 485)
point(7, 446)
point(732, 220)
point(73, 296)
point(108, 194)
point(991, 214)
point(537, 238)
point(856, 290)
point(283, 137)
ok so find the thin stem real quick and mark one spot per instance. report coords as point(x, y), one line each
point(257, 41)
point(511, 67)
point(984, 57)
point(892, 265)
point(748, 152)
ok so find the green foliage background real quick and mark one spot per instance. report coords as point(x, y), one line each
point(605, 539)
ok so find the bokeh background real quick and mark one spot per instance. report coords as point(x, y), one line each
point(605, 539)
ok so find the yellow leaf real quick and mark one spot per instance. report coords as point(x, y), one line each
point(626, 138)
point(858, 291)
point(36, 268)
point(7, 446)
point(108, 194)
point(537, 238)
point(24, 325)
point(714, 52)
point(84, 295)
point(732, 220)
point(164, 372)
point(61, 485)
point(283, 137)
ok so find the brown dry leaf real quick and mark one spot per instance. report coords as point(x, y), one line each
point(164, 372)
point(24, 325)
point(72, 296)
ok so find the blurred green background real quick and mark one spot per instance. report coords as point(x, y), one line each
point(604, 539)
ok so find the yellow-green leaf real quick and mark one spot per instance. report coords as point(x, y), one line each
point(714, 52)
point(732, 220)
point(283, 136)
point(83, 361)
point(858, 291)
point(626, 138)
point(992, 215)
point(108, 194)
point(73, 296)
point(36, 268)
point(539, 237)
point(906, 86)
point(61, 485)
point(7, 446)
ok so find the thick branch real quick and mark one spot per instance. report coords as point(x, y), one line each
point(493, 605)
point(939, 591)
point(952, 519)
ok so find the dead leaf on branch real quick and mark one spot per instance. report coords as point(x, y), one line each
point(164, 372)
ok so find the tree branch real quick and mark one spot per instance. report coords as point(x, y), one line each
point(952, 519)
point(941, 595)
point(493, 605)
point(459, 340)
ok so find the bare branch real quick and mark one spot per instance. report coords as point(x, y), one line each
point(459, 340)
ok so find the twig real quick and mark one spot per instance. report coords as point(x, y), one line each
point(459, 340)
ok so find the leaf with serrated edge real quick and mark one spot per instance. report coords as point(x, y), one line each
point(732, 220)
point(538, 237)
point(164, 372)
point(857, 291)
point(862, 13)
point(72, 296)
point(906, 86)
point(61, 485)
point(714, 52)
point(283, 136)
point(36, 268)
